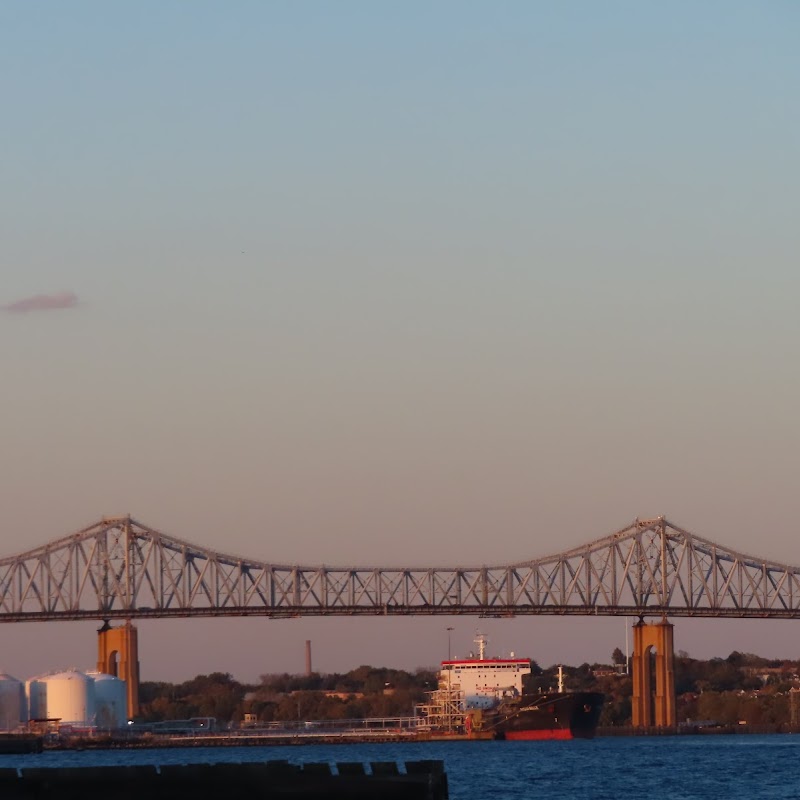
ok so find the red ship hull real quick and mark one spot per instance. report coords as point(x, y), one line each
point(523, 736)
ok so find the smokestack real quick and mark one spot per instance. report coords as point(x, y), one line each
point(308, 657)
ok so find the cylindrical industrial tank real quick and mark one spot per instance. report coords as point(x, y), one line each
point(13, 707)
point(69, 697)
point(36, 692)
point(111, 700)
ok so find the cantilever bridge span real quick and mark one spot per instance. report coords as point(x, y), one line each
point(121, 569)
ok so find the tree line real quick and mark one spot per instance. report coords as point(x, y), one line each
point(740, 688)
point(360, 693)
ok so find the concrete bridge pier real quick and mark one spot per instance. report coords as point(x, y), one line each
point(118, 655)
point(653, 702)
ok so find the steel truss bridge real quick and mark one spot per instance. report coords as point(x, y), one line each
point(121, 569)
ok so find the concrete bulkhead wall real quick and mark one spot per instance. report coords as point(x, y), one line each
point(273, 780)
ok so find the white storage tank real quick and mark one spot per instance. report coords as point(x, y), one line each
point(69, 697)
point(111, 700)
point(13, 707)
point(35, 691)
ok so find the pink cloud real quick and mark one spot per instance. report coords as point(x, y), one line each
point(43, 302)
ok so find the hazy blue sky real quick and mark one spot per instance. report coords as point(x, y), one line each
point(359, 282)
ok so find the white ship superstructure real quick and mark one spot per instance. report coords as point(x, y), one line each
point(467, 686)
point(482, 681)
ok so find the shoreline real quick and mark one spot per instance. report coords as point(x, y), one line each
point(29, 743)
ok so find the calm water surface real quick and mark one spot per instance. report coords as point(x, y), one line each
point(658, 767)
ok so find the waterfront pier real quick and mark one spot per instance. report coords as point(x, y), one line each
point(271, 780)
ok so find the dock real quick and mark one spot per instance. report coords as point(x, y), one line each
point(20, 743)
point(270, 780)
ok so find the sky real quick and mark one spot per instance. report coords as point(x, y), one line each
point(370, 283)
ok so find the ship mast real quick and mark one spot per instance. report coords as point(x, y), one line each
point(481, 641)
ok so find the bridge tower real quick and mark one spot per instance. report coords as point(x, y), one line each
point(653, 705)
point(118, 655)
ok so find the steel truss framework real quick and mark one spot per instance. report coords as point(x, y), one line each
point(121, 569)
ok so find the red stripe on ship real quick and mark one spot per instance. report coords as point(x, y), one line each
point(557, 733)
point(487, 662)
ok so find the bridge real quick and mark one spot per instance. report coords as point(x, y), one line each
point(119, 568)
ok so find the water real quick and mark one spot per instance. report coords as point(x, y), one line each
point(678, 768)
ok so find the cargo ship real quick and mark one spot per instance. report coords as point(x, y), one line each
point(547, 715)
point(496, 698)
